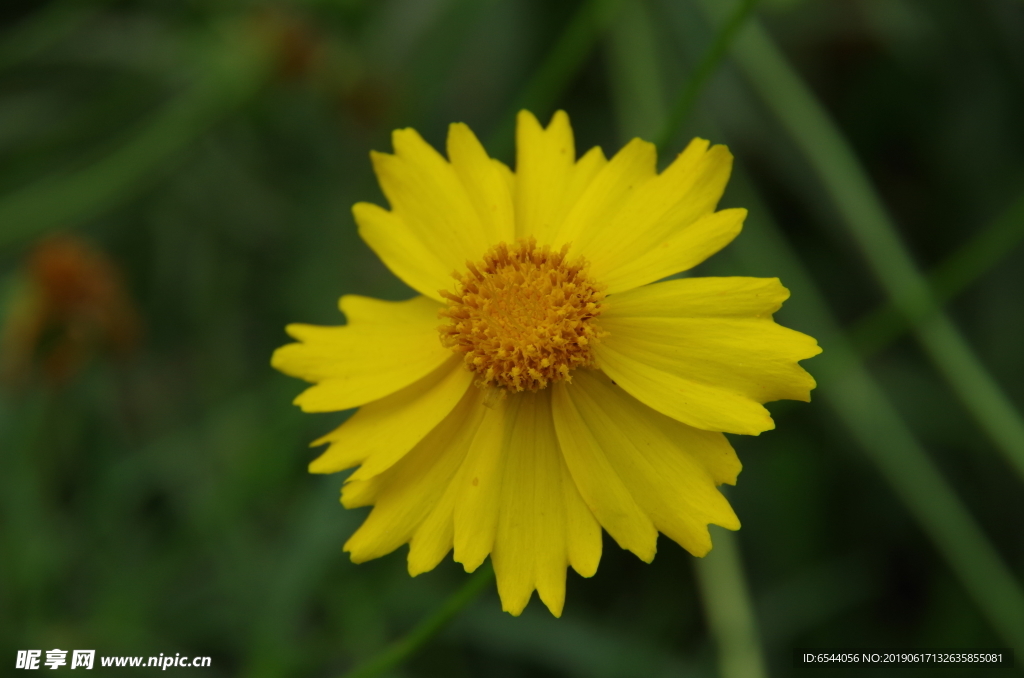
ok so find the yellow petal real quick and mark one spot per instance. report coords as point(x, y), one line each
point(581, 176)
point(530, 543)
point(382, 431)
point(518, 503)
point(650, 224)
point(406, 494)
point(706, 407)
point(753, 357)
point(434, 537)
point(441, 215)
point(659, 461)
point(385, 346)
point(485, 184)
point(507, 176)
point(680, 250)
point(605, 194)
point(598, 483)
point(708, 354)
point(583, 173)
point(583, 532)
point(362, 492)
point(737, 297)
point(479, 487)
point(402, 251)
point(544, 164)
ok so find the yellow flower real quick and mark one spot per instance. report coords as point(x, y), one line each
point(562, 392)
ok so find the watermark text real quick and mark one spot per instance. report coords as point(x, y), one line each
point(86, 659)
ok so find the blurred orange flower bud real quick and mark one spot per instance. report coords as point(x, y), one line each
point(71, 305)
point(296, 47)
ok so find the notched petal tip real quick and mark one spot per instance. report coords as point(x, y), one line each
point(420, 559)
point(461, 133)
point(646, 555)
point(416, 568)
point(361, 207)
point(587, 570)
point(351, 549)
point(558, 119)
point(700, 553)
point(378, 159)
point(403, 137)
point(559, 116)
point(756, 430)
point(732, 525)
point(279, 358)
point(697, 143)
point(525, 116)
point(469, 565)
point(328, 463)
point(638, 145)
point(555, 607)
point(514, 605)
point(295, 331)
point(721, 148)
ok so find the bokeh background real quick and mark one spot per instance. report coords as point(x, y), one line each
point(175, 186)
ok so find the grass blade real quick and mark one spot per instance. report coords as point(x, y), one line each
point(827, 151)
point(234, 66)
point(562, 62)
point(687, 97)
point(730, 613)
point(426, 629)
point(885, 324)
point(870, 416)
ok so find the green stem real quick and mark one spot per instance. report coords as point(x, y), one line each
point(426, 629)
point(634, 73)
point(871, 416)
point(559, 66)
point(866, 410)
point(687, 97)
point(885, 324)
point(729, 610)
point(830, 155)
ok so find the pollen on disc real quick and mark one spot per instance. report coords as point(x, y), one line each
point(523, 316)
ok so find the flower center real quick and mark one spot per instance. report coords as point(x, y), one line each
point(523, 316)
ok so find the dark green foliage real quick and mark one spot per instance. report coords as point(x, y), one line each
point(156, 500)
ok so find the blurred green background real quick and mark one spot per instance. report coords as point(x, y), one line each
point(175, 186)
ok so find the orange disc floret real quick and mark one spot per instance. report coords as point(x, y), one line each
point(523, 316)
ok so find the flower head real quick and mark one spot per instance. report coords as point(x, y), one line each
point(542, 388)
